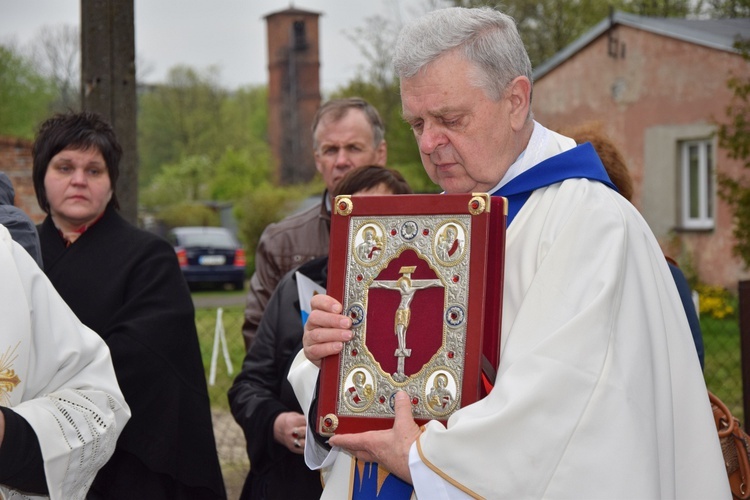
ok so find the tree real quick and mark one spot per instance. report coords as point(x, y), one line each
point(260, 207)
point(729, 8)
point(239, 172)
point(378, 85)
point(734, 136)
point(548, 26)
point(198, 144)
point(189, 214)
point(41, 79)
point(192, 115)
point(25, 95)
point(186, 180)
point(56, 52)
point(179, 119)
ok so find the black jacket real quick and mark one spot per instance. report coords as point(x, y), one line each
point(126, 285)
point(261, 392)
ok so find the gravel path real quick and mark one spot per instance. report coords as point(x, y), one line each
point(230, 443)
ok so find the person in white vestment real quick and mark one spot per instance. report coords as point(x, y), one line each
point(61, 408)
point(599, 393)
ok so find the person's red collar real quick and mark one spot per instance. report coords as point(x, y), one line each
point(70, 237)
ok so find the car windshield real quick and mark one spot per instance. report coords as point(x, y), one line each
point(212, 239)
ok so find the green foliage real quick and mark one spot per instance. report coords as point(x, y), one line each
point(192, 115)
point(176, 193)
point(245, 120)
point(260, 207)
point(239, 172)
point(548, 26)
point(661, 8)
point(180, 119)
point(199, 143)
point(189, 214)
point(729, 8)
point(26, 96)
point(185, 180)
point(737, 194)
point(734, 137)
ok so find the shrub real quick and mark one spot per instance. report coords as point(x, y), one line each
point(189, 214)
point(715, 301)
point(258, 209)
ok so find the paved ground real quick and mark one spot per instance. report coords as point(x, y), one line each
point(230, 442)
point(219, 300)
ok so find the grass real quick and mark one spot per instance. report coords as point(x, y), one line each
point(205, 320)
point(723, 366)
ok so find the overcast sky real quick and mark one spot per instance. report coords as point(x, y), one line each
point(230, 34)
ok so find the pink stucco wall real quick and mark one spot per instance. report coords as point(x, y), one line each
point(656, 81)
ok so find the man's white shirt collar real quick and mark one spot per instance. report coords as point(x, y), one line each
point(537, 150)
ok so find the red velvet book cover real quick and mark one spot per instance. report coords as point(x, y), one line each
point(421, 277)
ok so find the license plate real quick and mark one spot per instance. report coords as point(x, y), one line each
point(211, 260)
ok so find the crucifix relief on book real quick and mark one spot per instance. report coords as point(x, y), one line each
point(420, 276)
point(406, 287)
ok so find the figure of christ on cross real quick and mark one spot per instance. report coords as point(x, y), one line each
point(407, 287)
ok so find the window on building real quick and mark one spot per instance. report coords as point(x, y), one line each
point(698, 189)
point(300, 39)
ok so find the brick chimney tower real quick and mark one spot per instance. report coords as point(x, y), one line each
point(293, 91)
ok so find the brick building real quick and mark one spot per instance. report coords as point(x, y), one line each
point(293, 92)
point(658, 87)
point(15, 161)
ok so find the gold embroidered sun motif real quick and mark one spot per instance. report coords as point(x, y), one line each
point(8, 378)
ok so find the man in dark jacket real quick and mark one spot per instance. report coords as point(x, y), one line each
point(262, 401)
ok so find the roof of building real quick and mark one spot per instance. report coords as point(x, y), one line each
point(293, 11)
point(720, 34)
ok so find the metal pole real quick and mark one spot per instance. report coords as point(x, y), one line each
point(108, 84)
point(744, 292)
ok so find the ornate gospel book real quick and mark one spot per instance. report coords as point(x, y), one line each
point(421, 277)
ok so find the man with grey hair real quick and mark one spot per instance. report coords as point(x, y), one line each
point(347, 133)
point(599, 392)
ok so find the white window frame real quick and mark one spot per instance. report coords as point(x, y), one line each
point(704, 182)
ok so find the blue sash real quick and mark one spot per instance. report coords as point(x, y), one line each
point(579, 162)
point(370, 482)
